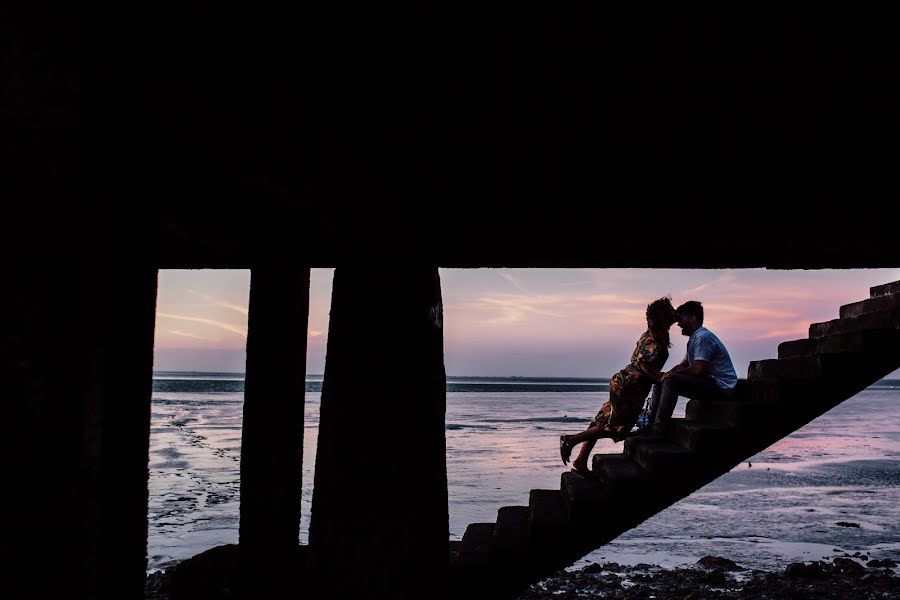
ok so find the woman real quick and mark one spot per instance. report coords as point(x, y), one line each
point(628, 388)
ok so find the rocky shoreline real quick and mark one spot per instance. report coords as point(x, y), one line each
point(846, 577)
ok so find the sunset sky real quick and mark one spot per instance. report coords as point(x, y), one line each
point(529, 322)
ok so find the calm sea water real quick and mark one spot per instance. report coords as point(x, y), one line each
point(502, 441)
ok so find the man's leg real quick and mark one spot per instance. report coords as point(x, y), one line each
point(680, 384)
point(654, 406)
point(665, 402)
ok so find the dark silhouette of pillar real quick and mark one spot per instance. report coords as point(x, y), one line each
point(125, 379)
point(272, 435)
point(77, 371)
point(379, 524)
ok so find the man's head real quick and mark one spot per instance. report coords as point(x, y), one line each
point(690, 317)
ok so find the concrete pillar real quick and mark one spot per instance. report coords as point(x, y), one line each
point(379, 524)
point(272, 435)
point(126, 385)
point(77, 362)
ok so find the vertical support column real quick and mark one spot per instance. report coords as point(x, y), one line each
point(379, 524)
point(124, 375)
point(77, 363)
point(272, 436)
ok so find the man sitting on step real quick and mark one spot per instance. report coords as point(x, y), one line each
point(705, 373)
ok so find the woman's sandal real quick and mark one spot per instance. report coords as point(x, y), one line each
point(565, 449)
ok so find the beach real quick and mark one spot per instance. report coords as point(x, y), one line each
point(828, 490)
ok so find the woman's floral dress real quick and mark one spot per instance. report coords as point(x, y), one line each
point(629, 388)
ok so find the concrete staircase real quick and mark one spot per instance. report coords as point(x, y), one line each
point(810, 376)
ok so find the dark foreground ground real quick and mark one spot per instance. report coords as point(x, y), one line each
point(847, 577)
point(712, 577)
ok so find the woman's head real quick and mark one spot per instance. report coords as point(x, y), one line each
point(661, 314)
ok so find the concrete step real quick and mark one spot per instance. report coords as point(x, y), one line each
point(732, 413)
point(701, 437)
point(620, 474)
point(585, 496)
point(454, 550)
point(770, 392)
point(864, 307)
point(887, 319)
point(802, 347)
point(549, 515)
point(659, 457)
point(743, 390)
point(873, 340)
point(798, 367)
point(884, 289)
point(511, 536)
point(477, 544)
point(812, 369)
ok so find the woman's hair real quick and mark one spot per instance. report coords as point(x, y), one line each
point(659, 319)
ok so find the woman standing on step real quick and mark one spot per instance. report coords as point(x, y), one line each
point(628, 388)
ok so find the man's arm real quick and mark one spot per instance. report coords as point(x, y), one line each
point(700, 367)
point(676, 369)
point(680, 366)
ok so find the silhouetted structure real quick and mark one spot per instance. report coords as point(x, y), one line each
point(384, 142)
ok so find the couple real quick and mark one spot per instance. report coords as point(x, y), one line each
point(705, 373)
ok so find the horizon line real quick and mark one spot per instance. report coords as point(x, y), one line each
point(243, 374)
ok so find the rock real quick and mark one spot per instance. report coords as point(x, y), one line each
point(158, 585)
point(804, 571)
point(848, 566)
point(715, 577)
point(717, 562)
point(846, 524)
point(877, 564)
point(592, 568)
point(211, 573)
point(817, 580)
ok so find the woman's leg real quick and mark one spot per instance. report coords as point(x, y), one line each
point(587, 439)
point(593, 433)
point(581, 461)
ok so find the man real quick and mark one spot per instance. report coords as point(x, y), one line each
point(705, 373)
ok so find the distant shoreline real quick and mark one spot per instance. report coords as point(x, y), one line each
point(456, 378)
